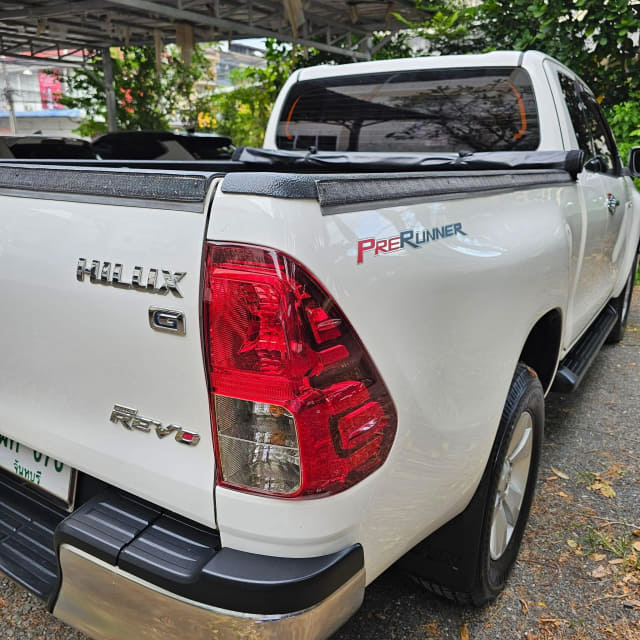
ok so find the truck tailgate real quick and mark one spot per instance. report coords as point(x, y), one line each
point(84, 376)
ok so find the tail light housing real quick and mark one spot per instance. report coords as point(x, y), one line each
point(298, 406)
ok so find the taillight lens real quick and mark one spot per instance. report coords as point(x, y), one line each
point(298, 407)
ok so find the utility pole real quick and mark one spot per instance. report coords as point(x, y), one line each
point(8, 94)
point(110, 96)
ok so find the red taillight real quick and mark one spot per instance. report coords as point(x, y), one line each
point(299, 408)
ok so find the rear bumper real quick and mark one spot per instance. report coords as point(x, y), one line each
point(117, 568)
point(107, 603)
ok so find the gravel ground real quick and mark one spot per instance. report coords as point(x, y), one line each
point(578, 573)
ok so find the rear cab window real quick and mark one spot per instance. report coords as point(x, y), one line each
point(439, 110)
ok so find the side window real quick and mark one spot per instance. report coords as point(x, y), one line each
point(603, 145)
point(588, 125)
point(577, 114)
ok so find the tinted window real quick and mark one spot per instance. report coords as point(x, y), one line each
point(53, 150)
point(440, 110)
point(588, 124)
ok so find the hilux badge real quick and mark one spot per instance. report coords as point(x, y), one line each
point(111, 274)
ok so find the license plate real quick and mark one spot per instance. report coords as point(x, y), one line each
point(54, 478)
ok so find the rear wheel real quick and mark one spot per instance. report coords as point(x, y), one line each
point(622, 304)
point(469, 559)
point(512, 484)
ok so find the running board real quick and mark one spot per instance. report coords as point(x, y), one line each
point(572, 369)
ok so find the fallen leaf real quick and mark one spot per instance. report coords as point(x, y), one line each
point(577, 549)
point(600, 572)
point(431, 628)
point(562, 494)
point(542, 604)
point(616, 561)
point(602, 487)
point(525, 606)
point(464, 632)
point(636, 545)
point(560, 474)
point(597, 557)
point(636, 533)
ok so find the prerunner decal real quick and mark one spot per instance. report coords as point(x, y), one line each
point(409, 238)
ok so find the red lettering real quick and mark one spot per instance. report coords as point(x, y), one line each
point(365, 245)
point(394, 244)
point(381, 245)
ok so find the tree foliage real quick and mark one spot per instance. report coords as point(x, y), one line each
point(596, 39)
point(145, 99)
point(242, 111)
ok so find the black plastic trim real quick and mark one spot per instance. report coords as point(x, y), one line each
point(271, 585)
point(136, 184)
point(576, 363)
point(186, 559)
point(277, 185)
point(104, 525)
point(336, 193)
point(27, 524)
point(345, 192)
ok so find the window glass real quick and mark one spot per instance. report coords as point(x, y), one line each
point(601, 144)
point(588, 125)
point(577, 114)
point(448, 110)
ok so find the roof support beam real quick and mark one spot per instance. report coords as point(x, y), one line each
point(226, 25)
point(47, 11)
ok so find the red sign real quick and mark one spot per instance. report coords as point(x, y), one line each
point(50, 90)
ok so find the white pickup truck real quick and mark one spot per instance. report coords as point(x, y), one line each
point(232, 394)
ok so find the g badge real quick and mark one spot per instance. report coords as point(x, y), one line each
point(167, 320)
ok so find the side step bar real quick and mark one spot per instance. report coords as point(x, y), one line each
point(575, 365)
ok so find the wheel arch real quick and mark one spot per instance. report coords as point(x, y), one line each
point(542, 347)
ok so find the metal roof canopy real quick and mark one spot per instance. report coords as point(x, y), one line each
point(56, 29)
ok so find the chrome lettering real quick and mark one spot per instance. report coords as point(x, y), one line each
point(129, 418)
point(108, 273)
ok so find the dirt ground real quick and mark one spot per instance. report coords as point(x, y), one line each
point(578, 573)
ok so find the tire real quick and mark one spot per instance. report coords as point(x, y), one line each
point(622, 304)
point(513, 483)
point(490, 529)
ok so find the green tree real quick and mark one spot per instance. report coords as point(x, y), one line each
point(242, 111)
point(145, 99)
point(594, 38)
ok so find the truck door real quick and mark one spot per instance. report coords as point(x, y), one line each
point(602, 192)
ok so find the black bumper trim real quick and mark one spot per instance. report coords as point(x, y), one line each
point(187, 560)
point(27, 524)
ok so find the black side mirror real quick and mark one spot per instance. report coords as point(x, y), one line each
point(597, 164)
point(634, 162)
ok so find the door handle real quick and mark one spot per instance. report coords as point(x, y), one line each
point(612, 203)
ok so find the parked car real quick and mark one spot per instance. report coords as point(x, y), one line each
point(162, 145)
point(36, 147)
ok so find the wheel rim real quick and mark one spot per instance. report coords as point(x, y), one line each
point(511, 486)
